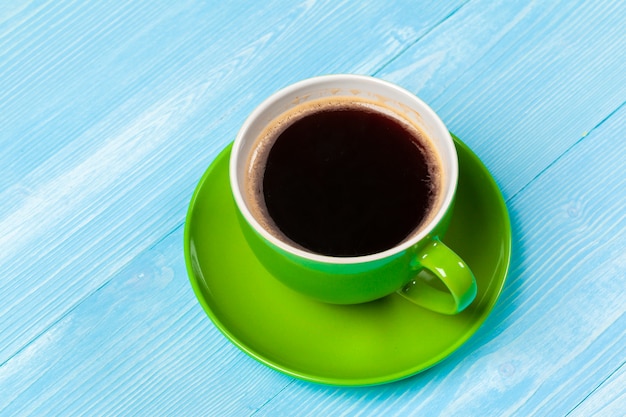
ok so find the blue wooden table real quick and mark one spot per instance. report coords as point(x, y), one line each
point(110, 112)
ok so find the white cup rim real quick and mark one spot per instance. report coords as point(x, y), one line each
point(340, 79)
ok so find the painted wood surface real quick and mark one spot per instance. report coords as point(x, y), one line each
point(111, 111)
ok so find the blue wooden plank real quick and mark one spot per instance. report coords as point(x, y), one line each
point(608, 400)
point(110, 113)
point(141, 344)
point(520, 81)
point(559, 329)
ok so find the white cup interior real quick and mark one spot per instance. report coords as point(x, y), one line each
point(400, 100)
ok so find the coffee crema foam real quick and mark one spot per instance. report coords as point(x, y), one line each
point(257, 160)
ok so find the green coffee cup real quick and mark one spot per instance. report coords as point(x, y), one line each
point(419, 267)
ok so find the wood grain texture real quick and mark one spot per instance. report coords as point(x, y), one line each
point(609, 399)
point(520, 81)
point(110, 112)
point(141, 344)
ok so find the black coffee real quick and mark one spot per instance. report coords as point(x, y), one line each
point(348, 181)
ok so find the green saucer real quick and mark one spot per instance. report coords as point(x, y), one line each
point(364, 344)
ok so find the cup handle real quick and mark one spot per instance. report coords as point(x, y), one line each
point(447, 266)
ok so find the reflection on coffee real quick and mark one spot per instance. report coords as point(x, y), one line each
point(343, 178)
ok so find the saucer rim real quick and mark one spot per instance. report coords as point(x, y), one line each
point(338, 381)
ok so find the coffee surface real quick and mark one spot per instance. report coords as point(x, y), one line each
point(347, 181)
